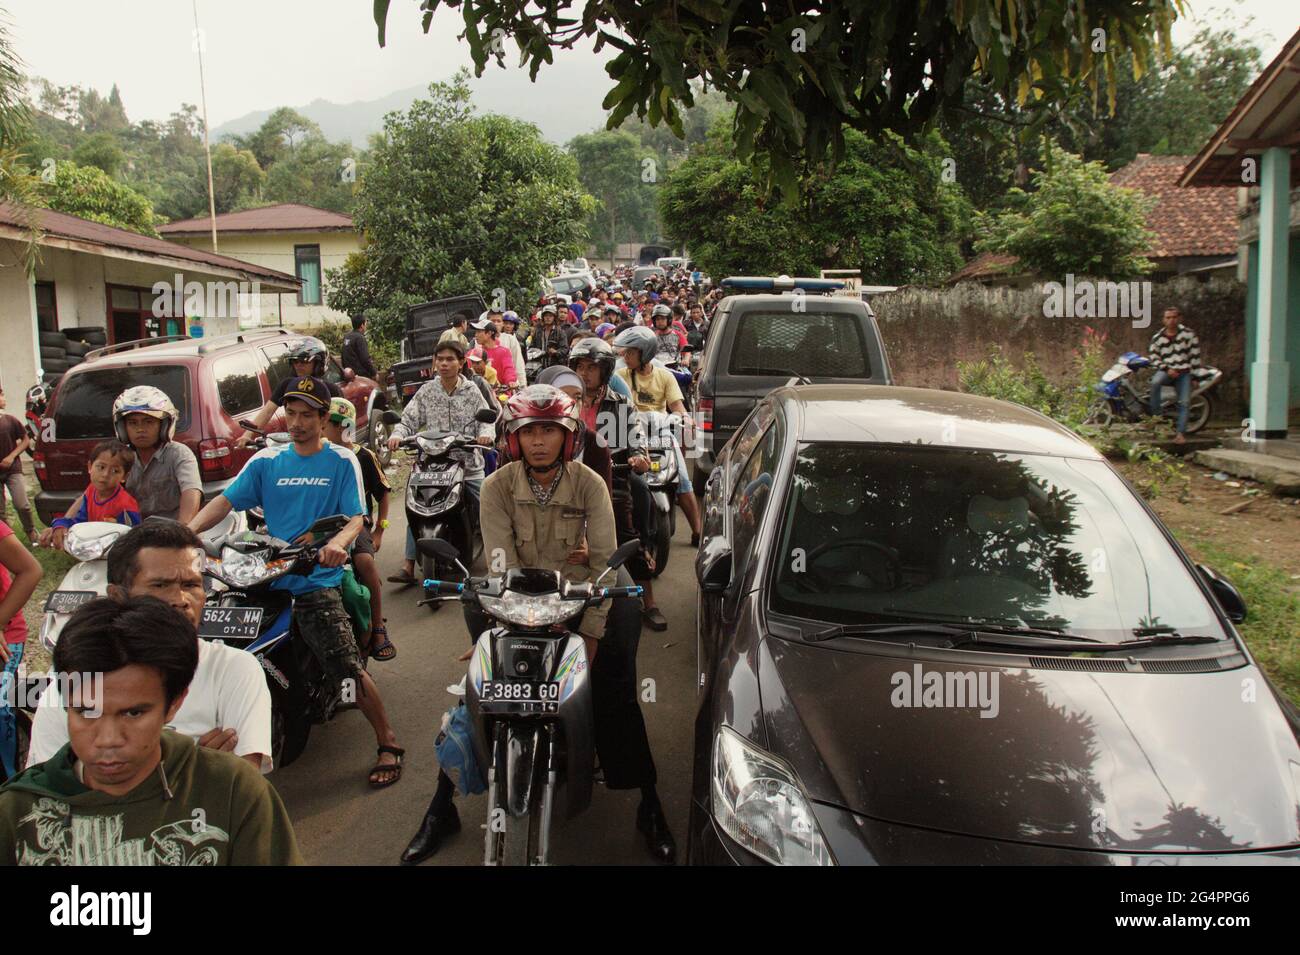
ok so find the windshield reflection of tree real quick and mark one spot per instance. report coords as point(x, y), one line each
point(945, 515)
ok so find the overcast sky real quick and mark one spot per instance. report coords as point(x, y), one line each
point(266, 53)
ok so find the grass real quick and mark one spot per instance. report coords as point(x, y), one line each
point(1272, 625)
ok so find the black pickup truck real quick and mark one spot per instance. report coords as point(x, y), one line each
point(424, 326)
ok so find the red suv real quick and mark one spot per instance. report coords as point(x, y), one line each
point(213, 382)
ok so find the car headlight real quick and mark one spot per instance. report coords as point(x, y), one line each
point(761, 805)
point(527, 610)
point(247, 570)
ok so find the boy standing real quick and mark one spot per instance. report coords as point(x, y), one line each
point(13, 442)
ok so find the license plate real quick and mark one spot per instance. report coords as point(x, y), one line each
point(66, 601)
point(522, 696)
point(433, 478)
point(219, 622)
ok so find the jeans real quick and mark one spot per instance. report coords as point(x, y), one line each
point(17, 488)
point(1183, 383)
point(473, 487)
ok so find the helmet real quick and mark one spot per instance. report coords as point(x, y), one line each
point(510, 317)
point(541, 403)
point(661, 311)
point(145, 399)
point(642, 339)
point(312, 350)
point(593, 349)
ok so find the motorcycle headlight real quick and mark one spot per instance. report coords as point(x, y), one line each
point(87, 548)
point(527, 610)
point(761, 805)
point(247, 570)
point(430, 446)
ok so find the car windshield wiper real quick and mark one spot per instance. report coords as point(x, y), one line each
point(774, 371)
point(961, 634)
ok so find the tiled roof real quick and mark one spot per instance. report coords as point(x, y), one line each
point(285, 217)
point(1185, 221)
point(984, 265)
point(61, 225)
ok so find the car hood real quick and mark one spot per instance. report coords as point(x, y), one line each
point(1128, 762)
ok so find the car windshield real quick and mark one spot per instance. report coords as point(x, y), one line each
point(790, 342)
point(876, 534)
point(85, 400)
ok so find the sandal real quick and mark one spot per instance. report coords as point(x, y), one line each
point(403, 578)
point(655, 619)
point(395, 768)
point(381, 648)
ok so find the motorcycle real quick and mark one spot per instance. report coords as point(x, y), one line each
point(662, 481)
point(533, 363)
point(436, 508)
point(37, 401)
point(1120, 398)
point(244, 611)
point(89, 544)
point(528, 691)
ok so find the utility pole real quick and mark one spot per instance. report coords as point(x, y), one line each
point(207, 145)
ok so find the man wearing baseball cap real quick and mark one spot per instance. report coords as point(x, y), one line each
point(498, 356)
point(296, 485)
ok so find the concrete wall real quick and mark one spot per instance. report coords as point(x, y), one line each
point(275, 251)
point(17, 329)
point(927, 331)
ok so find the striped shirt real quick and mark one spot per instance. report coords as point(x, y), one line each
point(1180, 353)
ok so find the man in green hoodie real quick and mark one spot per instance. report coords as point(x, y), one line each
point(125, 790)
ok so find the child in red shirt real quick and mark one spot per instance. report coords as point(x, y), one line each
point(106, 499)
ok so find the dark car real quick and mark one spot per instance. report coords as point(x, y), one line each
point(214, 382)
point(937, 628)
point(768, 331)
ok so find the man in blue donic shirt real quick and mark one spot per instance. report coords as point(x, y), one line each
point(296, 485)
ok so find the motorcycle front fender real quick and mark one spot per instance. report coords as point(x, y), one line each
point(662, 504)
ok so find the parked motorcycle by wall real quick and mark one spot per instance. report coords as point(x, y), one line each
point(529, 697)
point(1125, 397)
point(436, 506)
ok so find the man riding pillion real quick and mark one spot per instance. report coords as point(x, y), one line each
point(308, 360)
point(671, 342)
point(296, 484)
point(546, 510)
point(448, 403)
point(654, 388)
point(609, 415)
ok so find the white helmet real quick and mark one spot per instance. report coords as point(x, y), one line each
point(145, 399)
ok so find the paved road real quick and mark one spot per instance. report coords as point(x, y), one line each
point(341, 821)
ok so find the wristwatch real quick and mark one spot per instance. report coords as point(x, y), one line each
point(383, 525)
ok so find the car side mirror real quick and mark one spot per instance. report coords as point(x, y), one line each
point(714, 571)
point(1228, 596)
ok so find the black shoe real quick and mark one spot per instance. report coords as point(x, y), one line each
point(658, 839)
point(695, 540)
point(655, 619)
point(429, 838)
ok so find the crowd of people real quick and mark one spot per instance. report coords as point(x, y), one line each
point(182, 721)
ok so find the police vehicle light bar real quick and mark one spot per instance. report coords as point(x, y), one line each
point(780, 283)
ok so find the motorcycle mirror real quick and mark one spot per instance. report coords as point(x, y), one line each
point(249, 426)
point(619, 557)
point(328, 525)
point(436, 547)
point(349, 374)
point(485, 415)
point(391, 417)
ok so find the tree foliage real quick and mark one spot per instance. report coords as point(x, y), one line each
point(454, 203)
point(885, 209)
point(1075, 221)
point(623, 176)
point(89, 193)
point(800, 72)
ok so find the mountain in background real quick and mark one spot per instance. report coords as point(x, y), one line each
point(562, 103)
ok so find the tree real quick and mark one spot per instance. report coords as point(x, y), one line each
point(453, 203)
point(800, 72)
point(318, 173)
point(623, 176)
point(1075, 221)
point(101, 151)
point(282, 132)
point(885, 209)
point(236, 176)
point(89, 193)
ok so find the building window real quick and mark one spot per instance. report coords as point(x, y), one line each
point(131, 317)
point(306, 261)
point(47, 312)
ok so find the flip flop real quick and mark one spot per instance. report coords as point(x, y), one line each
point(388, 767)
point(403, 578)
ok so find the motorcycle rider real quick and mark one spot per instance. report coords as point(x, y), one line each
point(543, 510)
point(1176, 354)
point(506, 339)
point(671, 341)
point(654, 388)
point(296, 484)
point(550, 337)
point(449, 403)
point(307, 359)
point(609, 414)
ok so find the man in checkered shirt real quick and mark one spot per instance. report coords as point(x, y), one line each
point(1175, 354)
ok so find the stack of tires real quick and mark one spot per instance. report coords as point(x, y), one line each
point(68, 348)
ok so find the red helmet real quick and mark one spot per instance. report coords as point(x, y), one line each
point(541, 403)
